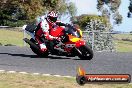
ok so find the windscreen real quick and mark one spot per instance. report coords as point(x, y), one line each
point(72, 31)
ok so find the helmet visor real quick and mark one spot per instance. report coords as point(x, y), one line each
point(53, 19)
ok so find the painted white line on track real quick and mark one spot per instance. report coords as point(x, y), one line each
point(4, 71)
point(23, 72)
point(11, 72)
point(57, 75)
point(36, 73)
point(46, 74)
point(1, 71)
point(67, 76)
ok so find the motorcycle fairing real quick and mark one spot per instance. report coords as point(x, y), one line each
point(56, 32)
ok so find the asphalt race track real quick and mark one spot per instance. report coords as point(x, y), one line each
point(13, 58)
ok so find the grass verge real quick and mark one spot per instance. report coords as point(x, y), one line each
point(17, 80)
point(123, 46)
point(122, 36)
point(11, 37)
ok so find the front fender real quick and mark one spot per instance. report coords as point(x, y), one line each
point(80, 43)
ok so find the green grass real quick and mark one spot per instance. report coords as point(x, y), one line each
point(17, 80)
point(123, 46)
point(11, 37)
point(123, 36)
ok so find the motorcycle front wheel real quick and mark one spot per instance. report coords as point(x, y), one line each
point(86, 52)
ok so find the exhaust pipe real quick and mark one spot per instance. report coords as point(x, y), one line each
point(31, 43)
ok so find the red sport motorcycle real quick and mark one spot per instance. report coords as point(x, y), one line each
point(70, 44)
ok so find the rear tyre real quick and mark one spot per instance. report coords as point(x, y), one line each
point(86, 52)
point(37, 51)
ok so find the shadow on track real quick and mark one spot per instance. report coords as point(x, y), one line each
point(80, 60)
point(22, 55)
point(35, 56)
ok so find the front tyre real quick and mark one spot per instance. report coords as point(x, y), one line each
point(37, 51)
point(86, 52)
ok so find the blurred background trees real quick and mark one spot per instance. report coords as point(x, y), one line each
point(108, 16)
point(19, 12)
point(130, 9)
point(91, 22)
point(109, 9)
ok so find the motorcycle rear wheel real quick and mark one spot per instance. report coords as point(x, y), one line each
point(86, 52)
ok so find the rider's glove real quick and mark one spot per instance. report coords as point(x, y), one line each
point(55, 38)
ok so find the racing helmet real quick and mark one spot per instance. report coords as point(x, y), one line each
point(52, 16)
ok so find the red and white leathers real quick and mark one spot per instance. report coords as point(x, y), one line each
point(44, 26)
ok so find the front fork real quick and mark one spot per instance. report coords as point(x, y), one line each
point(77, 46)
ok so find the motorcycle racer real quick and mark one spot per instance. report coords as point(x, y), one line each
point(44, 26)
